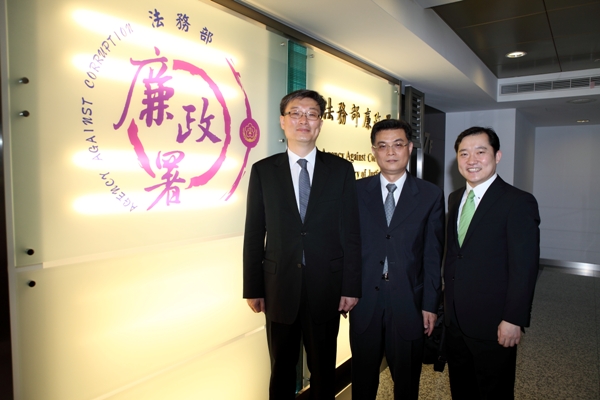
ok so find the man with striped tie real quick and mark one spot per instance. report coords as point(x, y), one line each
point(402, 236)
point(302, 249)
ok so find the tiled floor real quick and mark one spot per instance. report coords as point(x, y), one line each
point(559, 355)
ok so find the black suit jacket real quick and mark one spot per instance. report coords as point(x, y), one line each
point(492, 276)
point(275, 238)
point(413, 244)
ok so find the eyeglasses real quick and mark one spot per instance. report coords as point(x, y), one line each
point(394, 146)
point(310, 115)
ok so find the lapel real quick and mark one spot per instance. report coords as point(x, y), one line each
point(494, 192)
point(284, 182)
point(374, 200)
point(407, 201)
point(318, 184)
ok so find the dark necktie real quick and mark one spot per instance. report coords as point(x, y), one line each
point(303, 187)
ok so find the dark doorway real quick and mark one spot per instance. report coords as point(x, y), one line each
point(6, 384)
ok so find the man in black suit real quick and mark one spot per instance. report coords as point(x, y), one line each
point(491, 267)
point(402, 260)
point(302, 249)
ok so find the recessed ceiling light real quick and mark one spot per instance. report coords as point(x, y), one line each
point(583, 121)
point(516, 54)
point(582, 100)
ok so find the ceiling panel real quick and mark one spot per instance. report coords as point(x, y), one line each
point(554, 4)
point(493, 28)
point(510, 31)
point(474, 12)
point(572, 21)
point(583, 53)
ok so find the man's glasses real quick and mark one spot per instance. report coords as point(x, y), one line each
point(310, 115)
point(381, 147)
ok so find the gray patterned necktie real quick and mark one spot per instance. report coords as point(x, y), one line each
point(389, 207)
point(303, 187)
point(390, 204)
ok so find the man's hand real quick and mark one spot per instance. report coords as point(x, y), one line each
point(509, 335)
point(347, 304)
point(257, 305)
point(429, 319)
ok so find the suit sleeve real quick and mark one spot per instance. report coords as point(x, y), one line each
point(254, 239)
point(523, 259)
point(432, 255)
point(351, 283)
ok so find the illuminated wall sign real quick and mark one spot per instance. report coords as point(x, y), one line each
point(368, 120)
point(144, 120)
point(355, 102)
point(341, 118)
point(174, 113)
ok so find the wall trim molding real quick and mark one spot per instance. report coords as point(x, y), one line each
point(569, 264)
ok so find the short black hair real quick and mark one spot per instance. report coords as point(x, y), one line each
point(390, 124)
point(477, 130)
point(301, 94)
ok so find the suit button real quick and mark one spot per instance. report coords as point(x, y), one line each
point(302, 233)
point(299, 265)
point(388, 236)
point(452, 278)
point(376, 287)
point(381, 262)
point(459, 257)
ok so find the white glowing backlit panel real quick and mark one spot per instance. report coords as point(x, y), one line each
point(92, 329)
point(144, 121)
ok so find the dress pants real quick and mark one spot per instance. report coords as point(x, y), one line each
point(404, 357)
point(320, 343)
point(479, 369)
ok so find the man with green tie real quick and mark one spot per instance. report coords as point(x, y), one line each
point(491, 266)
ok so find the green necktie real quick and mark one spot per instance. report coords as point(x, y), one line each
point(465, 217)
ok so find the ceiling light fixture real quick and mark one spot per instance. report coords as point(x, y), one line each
point(516, 54)
point(583, 121)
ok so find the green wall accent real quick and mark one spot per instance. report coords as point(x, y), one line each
point(296, 67)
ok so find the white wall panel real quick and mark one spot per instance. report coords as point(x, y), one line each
point(90, 328)
point(567, 187)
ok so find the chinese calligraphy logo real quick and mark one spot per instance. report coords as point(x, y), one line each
point(153, 77)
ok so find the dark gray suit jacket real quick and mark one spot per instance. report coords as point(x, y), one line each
point(413, 244)
point(275, 238)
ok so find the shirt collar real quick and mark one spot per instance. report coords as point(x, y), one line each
point(480, 189)
point(399, 183)
point(310, 157)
